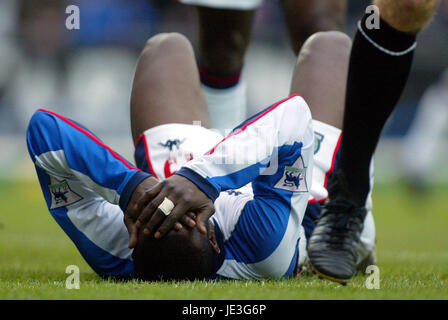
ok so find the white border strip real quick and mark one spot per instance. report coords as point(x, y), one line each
point(389, 52)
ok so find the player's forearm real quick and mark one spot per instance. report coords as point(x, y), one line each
point(252, 149)
point(65, 149)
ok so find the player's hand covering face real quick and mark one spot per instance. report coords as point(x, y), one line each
point(138, 202)
point(186, 197)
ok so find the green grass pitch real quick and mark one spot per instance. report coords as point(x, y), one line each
point(412, 249)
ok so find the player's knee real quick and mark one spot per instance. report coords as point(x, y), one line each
point(165, 43)
point(325, 41)
point(329, 38)
point(407, 16)
point(41, 121)
point(40, 129)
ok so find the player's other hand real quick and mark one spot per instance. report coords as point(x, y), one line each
point(186, 197)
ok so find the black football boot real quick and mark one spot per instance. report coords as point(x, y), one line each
point(332, 248)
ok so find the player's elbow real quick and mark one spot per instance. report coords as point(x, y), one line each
point(40, 122)
point(40, 128)
point(297, 108)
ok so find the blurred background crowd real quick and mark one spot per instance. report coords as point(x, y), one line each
point(86, 74)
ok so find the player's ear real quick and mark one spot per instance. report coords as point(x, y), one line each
point(212, 238)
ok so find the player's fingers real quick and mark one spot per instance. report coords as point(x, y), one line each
point(191, 214)
point(149, 210)
point(213, 242)
point(202, 218)
point(133, 237)
point(132, 229)
point(142, 202)
point(188, 220)
point(156, 219)
point(177, 226)
point(168, 223)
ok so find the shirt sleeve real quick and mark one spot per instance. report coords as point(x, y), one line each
point(65, 148)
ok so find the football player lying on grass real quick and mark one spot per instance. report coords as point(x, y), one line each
point(198, 205)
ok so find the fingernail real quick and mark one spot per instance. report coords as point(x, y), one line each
point(146, 231)
point(192, 223)
point(157, 235)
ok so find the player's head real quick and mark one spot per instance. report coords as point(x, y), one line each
point(180, 255)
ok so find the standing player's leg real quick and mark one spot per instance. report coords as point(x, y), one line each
point(224, 37)
point(321, 76)
point(379, 66)
point(306, 17)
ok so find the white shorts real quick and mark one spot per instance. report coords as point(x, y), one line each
point(168, 147)
point(226, 4)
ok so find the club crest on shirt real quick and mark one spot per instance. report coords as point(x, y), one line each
point(318, 138)
point(61, 194)
point(294, 177)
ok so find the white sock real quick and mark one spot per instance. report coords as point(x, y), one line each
point(227, 107)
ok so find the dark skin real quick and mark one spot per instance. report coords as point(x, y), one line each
point(224, 37)
point(321, 67)
point(306, 17)
point(143, 209)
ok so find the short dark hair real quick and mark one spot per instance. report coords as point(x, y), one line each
point(180, 255)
